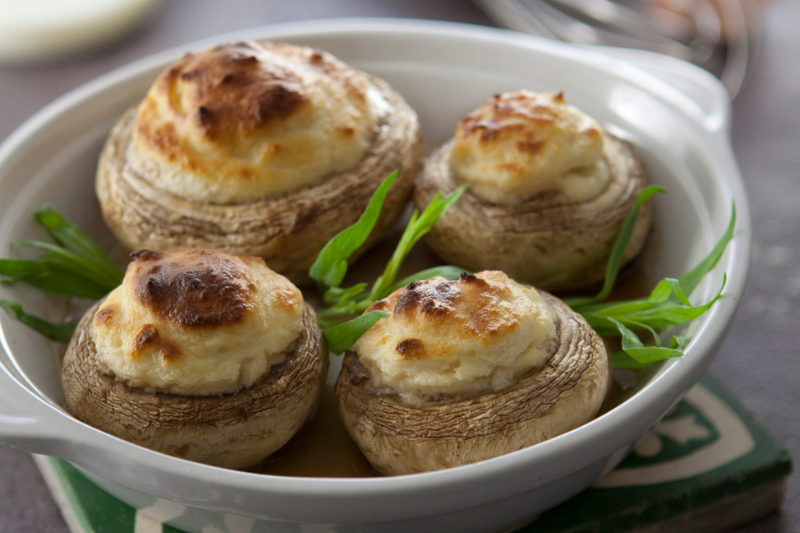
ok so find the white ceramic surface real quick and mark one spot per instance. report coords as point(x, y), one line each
point(46, 30)
point(443, 70)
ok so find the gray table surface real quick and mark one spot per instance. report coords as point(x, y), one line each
point(759, 359)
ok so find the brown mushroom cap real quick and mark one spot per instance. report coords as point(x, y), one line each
point(546, 241)
point(289, 229)
point(231, 430)
point(398, 438)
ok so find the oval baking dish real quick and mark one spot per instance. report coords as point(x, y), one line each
point(443, 70)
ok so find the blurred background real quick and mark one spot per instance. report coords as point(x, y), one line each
point(48, 48)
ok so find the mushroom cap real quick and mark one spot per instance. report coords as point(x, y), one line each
point(287, 229)
point(400, 438)
point(547, 240)
point(230, 430)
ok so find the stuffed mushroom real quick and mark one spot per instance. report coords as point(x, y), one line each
point(467, 370)
point(200, 355)
point(258, 149)
point(548, 192)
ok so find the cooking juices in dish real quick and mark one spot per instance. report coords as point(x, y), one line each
point(198, 354)
point(467, 370)
point(257, 149)
point(549, 191)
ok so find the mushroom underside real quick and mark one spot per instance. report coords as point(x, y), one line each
point(288, 230)
point(400, 438)
point(231, 430)
point(546, 241)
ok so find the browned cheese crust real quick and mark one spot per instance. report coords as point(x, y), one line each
point(398, 438)
point(287, 229)
point(232, 430)
point(196, 291)
point(547, 241)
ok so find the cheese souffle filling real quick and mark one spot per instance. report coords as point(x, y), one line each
point(519, 144)
point(247, 120)
point(457, 338)
point(196, 322)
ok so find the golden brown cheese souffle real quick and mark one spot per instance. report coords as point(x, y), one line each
point(198, 354)
point(467, 370)
point(257, 149)
point(549, 191)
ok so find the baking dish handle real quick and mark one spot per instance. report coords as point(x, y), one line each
point(22, 420)
point(706, 92)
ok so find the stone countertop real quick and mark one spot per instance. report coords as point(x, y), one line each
point(758, 360)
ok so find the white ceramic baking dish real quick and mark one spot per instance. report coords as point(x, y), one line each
point(680, 130)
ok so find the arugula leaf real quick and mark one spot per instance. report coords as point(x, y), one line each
point(51, 330)
point(343, 336)
point(330, 266)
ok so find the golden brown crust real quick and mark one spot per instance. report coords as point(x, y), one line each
point(547, 241)
point(231, 430)
point(226, 111)
point(287, 230)
point(457, 337)
point(518, 144)
point(226, 93)
point(198, 289)
point(150, 337)
point(400, 438)
point(472, 306)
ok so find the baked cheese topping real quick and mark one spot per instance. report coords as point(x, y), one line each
point(196, 322)
point(470, 336)
point(519, 144)
point(243, 121)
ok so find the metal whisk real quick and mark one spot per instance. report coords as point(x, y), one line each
point(722, 36)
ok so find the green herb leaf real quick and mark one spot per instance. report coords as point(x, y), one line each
point(343, 336)
point(339, 295)
point(417, 227)
point(635, 354)
point(446, 271)
point(57, 332)
point(71, 261)
point(620, 243)
point(667, 305)
point(691, 279)
point(72, 237)
point(75, 266)
point(679, 341)
point(52, 277)
point(330, 266)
